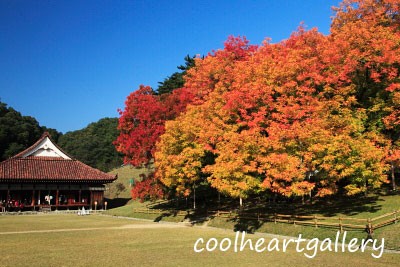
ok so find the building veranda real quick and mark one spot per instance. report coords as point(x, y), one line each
point(45, 177)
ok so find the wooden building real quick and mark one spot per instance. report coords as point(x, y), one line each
point(43, 176)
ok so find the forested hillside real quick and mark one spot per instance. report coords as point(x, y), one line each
point(17, 132)
point(93, 144)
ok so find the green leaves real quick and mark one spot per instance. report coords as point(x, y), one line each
point(17, 132)
point(93, 145)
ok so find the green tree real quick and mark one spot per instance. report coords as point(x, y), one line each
point(176, 80)
point(17, 132)
point(93, 145)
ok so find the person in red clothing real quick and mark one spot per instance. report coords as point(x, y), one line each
point(16, 205)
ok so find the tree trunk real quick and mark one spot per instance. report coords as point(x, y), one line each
point(393, 178)
point(194, 196)
point(241, 202)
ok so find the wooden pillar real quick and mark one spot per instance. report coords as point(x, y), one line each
point(91, 198)
point(57, 202)
point(80, 196)
point(39, 198)
point(101, 196)
point(33, 198)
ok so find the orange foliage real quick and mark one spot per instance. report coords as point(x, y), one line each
point(295, 118)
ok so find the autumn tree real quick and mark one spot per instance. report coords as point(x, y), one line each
point(142, 121)
point(181, 155)
point(312, 115)
point(274, 122)
point(366, 39)
point(148, 188)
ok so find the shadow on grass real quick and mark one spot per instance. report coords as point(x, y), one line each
point(162, 216)
point(327, 207)
point(336, 206)
point(116, 202)
point(347, 206)
point(249, 226)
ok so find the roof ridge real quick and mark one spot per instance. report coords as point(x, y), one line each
point(44, 135)
point(32, 147)
point(44, 158)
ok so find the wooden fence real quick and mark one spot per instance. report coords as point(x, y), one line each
point(50, 212)
point(159, 211)
point(341, 223)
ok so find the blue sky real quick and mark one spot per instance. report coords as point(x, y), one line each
point(70, 63)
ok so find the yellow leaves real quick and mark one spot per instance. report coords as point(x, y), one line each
point(285, 174)
point(235, 167)
point(302, 188)
point(324, 191)
point(283, 167)
point(352, 189)
point(179, 156)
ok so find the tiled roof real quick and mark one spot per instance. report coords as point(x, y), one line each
point(50, 169)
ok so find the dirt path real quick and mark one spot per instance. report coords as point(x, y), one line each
point(127, 226)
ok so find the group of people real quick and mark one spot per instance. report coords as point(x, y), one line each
point(11, 205)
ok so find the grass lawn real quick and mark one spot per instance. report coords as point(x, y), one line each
point(120, 188)
point(373, 206)
point(111, 241)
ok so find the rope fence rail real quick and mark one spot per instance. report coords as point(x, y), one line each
point(369, 224)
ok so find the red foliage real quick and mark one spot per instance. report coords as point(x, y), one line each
point(238, 47)
point(148, 189)
point(140, 124)
point(143, 121)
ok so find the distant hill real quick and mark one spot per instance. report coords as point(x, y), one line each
point(17, 132)
point(93, 144)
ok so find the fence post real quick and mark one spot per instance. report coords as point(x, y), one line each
point(340, 225)
point(275, 218)
point(369, 228)
point(315, 221)
point(395, 217)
